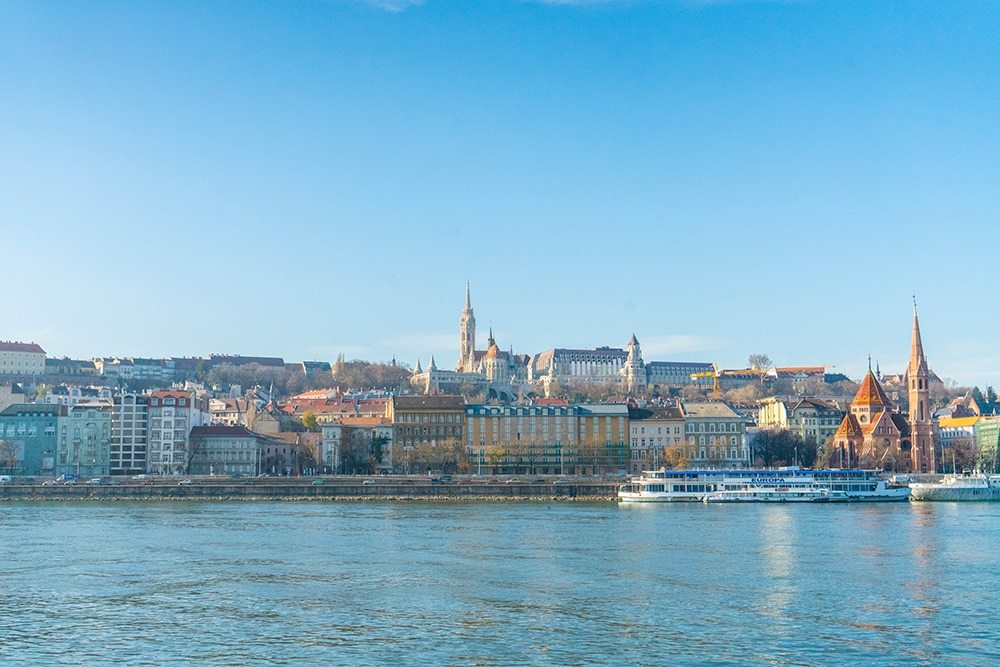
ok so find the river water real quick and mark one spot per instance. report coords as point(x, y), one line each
point(498, 584)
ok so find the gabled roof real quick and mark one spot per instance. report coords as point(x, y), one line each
point(882, 417)
point(870, 393)
point(817, 403)
point(849, 426)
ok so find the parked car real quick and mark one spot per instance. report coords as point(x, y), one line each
point(514, 480)
point(183, 482)
point(317, 482)
point(368, 482)
point(97, 481)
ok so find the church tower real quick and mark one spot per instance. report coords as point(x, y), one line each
point(635, 369)
point(466, 336)
point(922, 454)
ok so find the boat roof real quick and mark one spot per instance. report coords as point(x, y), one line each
point(772, 472)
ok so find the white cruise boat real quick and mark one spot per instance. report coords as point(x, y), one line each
point(771, 493)
point(966, 486)
point(664, 486)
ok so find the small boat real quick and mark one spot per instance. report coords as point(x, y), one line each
point(803, 493)
point(965, 486)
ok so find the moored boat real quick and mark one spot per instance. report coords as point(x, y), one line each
point(966, 486)
point(769, 493)
point(695, 485)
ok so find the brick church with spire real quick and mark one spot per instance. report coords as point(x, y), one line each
point(875, 434)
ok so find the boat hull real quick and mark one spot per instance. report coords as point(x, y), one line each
point(946, 494)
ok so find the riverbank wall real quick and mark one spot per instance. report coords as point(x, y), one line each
point(601, 491)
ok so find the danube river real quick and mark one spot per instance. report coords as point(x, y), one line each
point(498, 584)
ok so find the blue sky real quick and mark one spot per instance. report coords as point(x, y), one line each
point(301, 179)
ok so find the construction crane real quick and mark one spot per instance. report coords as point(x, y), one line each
point(714, 374)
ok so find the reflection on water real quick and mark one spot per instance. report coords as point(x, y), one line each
point(499, 584)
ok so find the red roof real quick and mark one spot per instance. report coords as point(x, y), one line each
point(170, 394)
point(849, 426)
point(870, 393)
point(550, 401)
point(13, 346)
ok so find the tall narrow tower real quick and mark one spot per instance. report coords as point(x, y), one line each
point(466, 336)
point(634, 371)
point(922, 454)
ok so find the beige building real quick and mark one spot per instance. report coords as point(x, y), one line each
point(363, 443)
point(810, 418)
point(21, 358)
point(652, 431)
point(547, 439)
point(172, 415)
point(225, 450)
point(715, 435)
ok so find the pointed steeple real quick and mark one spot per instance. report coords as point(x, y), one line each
point(468, 297)
point(918, 363)
point(418, 369)
point(490, 341)
point(633, 340)
point(433, 366)
point(922, 451)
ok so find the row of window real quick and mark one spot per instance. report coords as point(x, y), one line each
point(711, 427)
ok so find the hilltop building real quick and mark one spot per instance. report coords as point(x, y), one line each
point(18, 358)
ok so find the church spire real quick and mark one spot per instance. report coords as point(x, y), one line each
point(918, 363)
point(468, 297)
point(922, 450)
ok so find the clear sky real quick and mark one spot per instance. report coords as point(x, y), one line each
point(305, 178)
